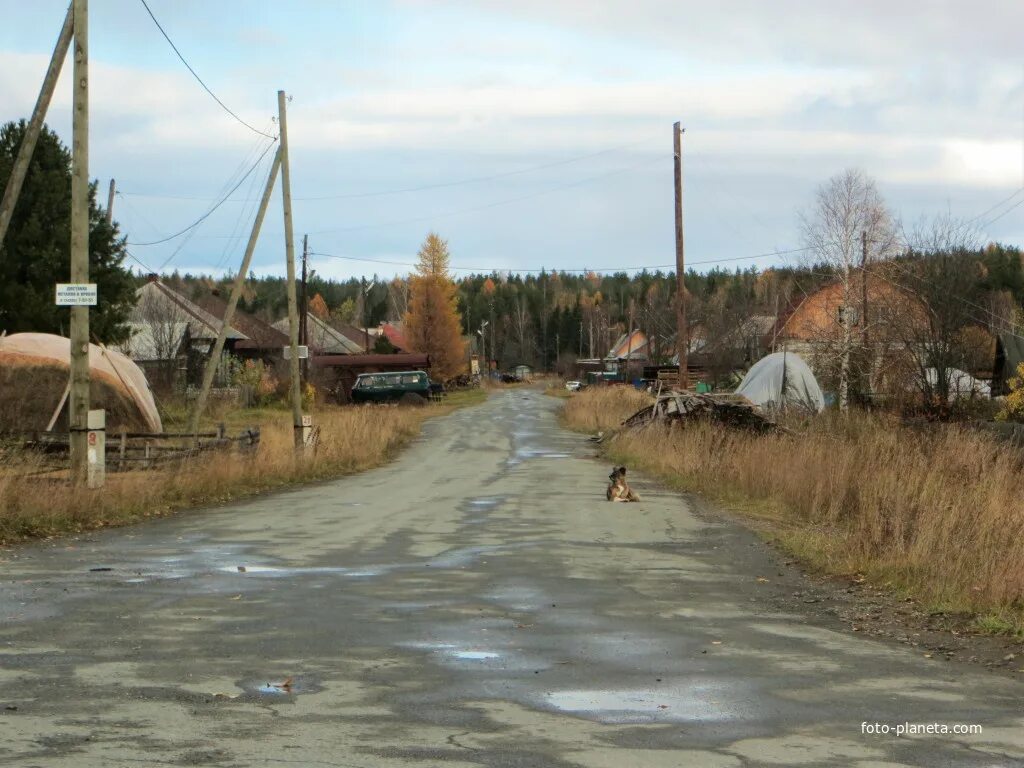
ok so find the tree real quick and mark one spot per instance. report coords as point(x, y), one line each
point(945, 328)
point(318, 307)
point(848, 214)
point(432, 324)
point(35, 255)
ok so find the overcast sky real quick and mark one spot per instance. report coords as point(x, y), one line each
point(556, 114)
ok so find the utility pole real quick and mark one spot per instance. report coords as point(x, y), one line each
point(304, 304)
point(236, 292)
point(864, 305)
point(35, 124)
point(289, 250)
point(682, 342)
point(110, 203)
point(366, 327)
point(79, 397)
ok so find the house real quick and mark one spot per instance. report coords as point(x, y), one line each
point(262, 341)
point(395, 334)
point(172, 336)
point(323, 338)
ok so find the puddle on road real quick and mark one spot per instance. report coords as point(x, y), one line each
point(280, 570)
point(289, 686)
point(690, 702)
point(476, 655)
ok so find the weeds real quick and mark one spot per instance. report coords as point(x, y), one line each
point(939, 513)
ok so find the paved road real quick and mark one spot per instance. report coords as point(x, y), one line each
point(477, 603)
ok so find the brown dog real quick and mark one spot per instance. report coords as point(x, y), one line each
point(618, 488)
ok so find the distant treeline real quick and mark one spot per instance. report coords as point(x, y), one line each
point(539, 318)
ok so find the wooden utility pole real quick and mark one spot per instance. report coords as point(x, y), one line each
point(864, 286)
point(682, 340)
point(79, 398)
point(864, 307)
point(366, 327)
point(304, 304)
point(236, 291)
point(35, 124)
point(289, 249)
point(110, 203)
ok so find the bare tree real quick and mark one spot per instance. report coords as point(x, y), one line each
point(848, 224)
point(163, 323)
point(944, 311)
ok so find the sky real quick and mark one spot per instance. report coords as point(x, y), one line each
point(532, 134)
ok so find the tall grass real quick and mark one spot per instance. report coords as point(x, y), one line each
point(351, 439)
point(939, 513)
point(599, 409)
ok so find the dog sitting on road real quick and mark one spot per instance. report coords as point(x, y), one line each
point(618, 488)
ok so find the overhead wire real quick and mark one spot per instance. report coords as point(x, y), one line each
point(195, 74)
point(488, 270)
point(427, 187)
point(217, 205)
point(494, 204)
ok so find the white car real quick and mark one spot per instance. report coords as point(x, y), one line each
point(573, 386)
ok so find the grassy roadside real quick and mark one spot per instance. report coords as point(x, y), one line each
point(352, 439)
point(938, 516)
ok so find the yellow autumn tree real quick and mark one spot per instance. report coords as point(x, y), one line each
point(432, 323)
point(318, 307)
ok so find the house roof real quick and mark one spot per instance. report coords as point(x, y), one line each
point(157, 303)
point(259, 335)
point(322, 338)
point(393, 333)
point(631, 345)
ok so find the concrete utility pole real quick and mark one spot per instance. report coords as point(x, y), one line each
point(79, 398)
point(236, 291)
point(682, 342)
point(289, 249)
point(110, 203)
point(864, 286)
point(35, 124)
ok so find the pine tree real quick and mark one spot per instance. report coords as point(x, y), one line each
point(432, 324)
point(35, 254)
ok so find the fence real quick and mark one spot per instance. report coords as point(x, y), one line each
point(126, 451)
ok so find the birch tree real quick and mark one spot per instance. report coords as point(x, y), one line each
point(848, 214)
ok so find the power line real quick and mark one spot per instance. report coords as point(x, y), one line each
point(991, 221)
point(477, 179)
point(494, 204)
point(196, 75)
point(217, 205)
point(569, 271)
point(997, 205)
point(425, 187)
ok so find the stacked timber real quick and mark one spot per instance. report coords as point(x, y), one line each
point(681, 407)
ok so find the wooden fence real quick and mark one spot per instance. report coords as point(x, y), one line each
point(127, 451)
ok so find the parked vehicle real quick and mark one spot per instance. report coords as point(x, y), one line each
point(574, 386)
point(390, 387)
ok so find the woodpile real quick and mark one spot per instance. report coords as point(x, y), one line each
point(675, 407)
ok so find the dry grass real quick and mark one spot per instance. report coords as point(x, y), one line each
point(939, 514)
point(599, 409)
point(352, 439)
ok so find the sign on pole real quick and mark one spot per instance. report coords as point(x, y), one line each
point(303, 352)
point(76, 295)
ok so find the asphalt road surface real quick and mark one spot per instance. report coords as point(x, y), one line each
point(476, 603)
